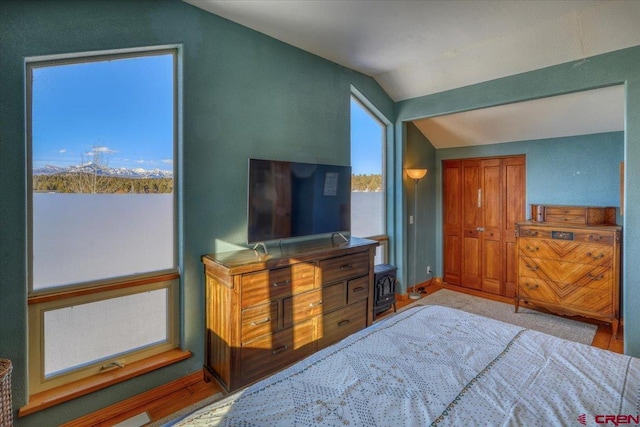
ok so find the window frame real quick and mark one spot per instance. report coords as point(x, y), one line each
point(385, 124)
point(42, 300)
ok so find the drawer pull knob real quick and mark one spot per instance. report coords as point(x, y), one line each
point(358, 289)
point(595, 238)
point(344, 322)
point(530, 286)
point(280, 349)
point(261, 322)
point(532, 267)
point(532, 248)
point(346, 267)
point(315, 304)
point(590, 255)
point(594, 278)
point(283, 283)
point(532, 233)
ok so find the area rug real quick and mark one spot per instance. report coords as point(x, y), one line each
point(553, 325)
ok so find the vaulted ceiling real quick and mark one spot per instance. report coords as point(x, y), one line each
point(416, 48)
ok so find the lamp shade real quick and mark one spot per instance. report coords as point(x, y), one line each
point(416, 173)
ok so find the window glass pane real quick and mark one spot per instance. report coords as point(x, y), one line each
point(82, 334)
point(102, 145)
point(367, 163)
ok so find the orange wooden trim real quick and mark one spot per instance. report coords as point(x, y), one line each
point(134, 402)
point(55, 396)
point(39, 299)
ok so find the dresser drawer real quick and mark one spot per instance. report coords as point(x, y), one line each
point(259, 320)
point(334, 296)
point(537, 290)
point(565, 272)
point(341, 323)
point(567, 251)
point(357, 289)
point(272, 284)
point(276, 351)
point(564, 210)
point(569, 219)
point(344, 267)
point(302, 306)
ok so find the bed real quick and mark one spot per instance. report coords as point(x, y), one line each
point(433, 365)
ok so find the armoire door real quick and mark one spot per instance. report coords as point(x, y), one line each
point(482, 201)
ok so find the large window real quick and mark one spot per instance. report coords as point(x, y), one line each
point(368, 199)
point(103, 270)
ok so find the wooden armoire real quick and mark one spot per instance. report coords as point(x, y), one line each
point(483, 198)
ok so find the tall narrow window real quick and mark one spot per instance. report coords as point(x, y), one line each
point(102, 213)
point(368, 201)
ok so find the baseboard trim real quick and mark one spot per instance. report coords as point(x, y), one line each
point(117, 409)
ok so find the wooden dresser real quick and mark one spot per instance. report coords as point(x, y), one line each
point(263, 311)
point(570, 267)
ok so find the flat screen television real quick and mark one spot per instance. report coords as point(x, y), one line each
point(290, 199)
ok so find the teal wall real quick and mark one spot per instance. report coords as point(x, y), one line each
point(619, 67)
point(420, 154)
point(577, 170)
point(244, 94)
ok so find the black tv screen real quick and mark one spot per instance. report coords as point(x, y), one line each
point(290, 199)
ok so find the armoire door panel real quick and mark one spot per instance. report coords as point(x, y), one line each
point(452, 248)
point(471, 262)
point(452, 221)
point(492, 268)
point(471, 221)
point(491, 225)
point(515, 211)
point(483, 198)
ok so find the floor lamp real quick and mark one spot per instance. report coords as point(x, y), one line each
point(416, 175)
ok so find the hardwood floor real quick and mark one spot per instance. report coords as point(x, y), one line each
point(603, 338)
point(170, 398)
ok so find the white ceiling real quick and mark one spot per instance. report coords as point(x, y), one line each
point(416, 48)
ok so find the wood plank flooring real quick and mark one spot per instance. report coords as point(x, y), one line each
point(166, 400)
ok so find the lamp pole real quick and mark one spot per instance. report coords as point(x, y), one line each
point(416, 175)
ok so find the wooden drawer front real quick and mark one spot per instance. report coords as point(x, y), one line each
point(573, 297)
point(569, 219)
point(358, 289)
point(272, 352)
point(344, 267)
point(594, 276)
point(302, 306)
point(341, 323)
point(259, 320)
point(597, 301)
point(279, 283)
point(537, 290)
point(595, 236)
point(568, 251)
point(564, 210)
point(602, 238)
point(334, 296)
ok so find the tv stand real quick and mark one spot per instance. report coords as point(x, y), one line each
point(265, 312)
point(333, 235)
point(264, 247)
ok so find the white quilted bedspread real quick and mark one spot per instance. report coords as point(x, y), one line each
point(434, 365)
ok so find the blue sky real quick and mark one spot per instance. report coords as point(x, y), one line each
point(123, 108)
point(366, 141)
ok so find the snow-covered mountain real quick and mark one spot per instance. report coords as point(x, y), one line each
point(104, 171)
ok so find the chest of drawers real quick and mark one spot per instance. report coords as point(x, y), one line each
point(570, 269)
point(263, 312)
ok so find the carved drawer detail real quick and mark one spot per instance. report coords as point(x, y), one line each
point(570, 269)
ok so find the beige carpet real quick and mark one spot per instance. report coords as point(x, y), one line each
point(553, 325)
